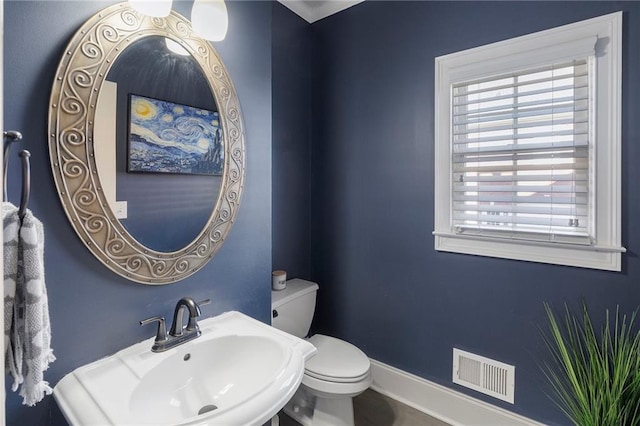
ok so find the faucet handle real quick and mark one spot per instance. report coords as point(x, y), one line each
point(204, 302)
point(198, 313)
point(193, 324)
point(161, 335)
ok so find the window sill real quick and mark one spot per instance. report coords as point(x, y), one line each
point(586, 256)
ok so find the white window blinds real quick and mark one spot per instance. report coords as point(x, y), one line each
point(520, 151)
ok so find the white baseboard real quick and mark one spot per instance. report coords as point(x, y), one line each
point(440, 402)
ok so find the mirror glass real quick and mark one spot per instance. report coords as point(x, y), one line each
point(146, 142)
point(165, 117)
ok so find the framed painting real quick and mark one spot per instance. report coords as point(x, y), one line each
point(166, 137)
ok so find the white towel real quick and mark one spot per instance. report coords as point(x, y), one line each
point(30, 336)
point(11, 226)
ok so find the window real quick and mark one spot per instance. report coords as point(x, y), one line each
point(527, 147)
point(520, 153)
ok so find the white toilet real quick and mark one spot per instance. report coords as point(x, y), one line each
point(338, 372)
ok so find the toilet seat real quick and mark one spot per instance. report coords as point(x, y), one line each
point(337, 361)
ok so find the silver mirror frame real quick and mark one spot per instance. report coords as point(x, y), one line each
point(76, 87)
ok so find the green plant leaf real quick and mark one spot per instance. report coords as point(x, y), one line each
point(594, 373)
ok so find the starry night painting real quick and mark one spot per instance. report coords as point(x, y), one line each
point(165, 137)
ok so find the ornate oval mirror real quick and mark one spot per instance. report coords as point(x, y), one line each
point(143, 114)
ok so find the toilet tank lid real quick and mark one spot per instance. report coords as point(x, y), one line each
point(295, 288)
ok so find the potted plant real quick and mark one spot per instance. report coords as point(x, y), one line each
point(594, 372)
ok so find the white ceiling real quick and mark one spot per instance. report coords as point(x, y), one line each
point(313, 10)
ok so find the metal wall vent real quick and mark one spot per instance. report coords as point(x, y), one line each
point(485, 375)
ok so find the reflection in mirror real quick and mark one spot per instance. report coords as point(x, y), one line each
point(167, 86)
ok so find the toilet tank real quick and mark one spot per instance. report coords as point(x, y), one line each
point(293, 307)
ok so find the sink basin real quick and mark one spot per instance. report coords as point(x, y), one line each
point(209, 379)
point(238, 372)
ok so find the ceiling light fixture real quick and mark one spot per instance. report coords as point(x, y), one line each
point(155, 8)
point(175, 47)
point(209, 19)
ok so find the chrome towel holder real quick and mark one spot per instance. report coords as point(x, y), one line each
point(11, 136)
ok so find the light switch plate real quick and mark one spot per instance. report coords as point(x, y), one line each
point(121, 210)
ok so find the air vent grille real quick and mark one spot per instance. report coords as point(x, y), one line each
point(484, 375)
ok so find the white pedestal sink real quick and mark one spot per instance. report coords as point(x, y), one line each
point(239, 372)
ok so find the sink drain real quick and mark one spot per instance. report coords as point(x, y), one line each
point(206, 409)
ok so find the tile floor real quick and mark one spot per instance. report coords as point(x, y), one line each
point(374, 409)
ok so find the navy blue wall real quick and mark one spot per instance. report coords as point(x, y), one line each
point(291, 61)
point(382, 284)
point(94, 312)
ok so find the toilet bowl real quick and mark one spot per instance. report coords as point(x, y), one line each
point(338, 372)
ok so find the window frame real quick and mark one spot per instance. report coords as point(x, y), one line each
point(602, 36)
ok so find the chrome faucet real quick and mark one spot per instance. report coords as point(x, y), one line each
point(177, 329)
point(179, 333)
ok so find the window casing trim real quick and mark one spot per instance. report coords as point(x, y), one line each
point(602, 35)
